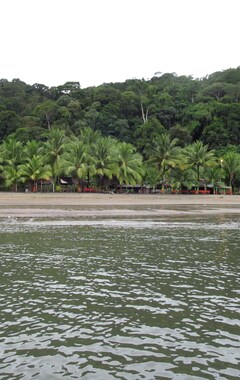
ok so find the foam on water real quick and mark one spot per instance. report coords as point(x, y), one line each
point(15, 223)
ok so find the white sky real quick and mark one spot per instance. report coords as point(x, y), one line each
point(96, 41)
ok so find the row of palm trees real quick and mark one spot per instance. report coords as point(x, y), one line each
point(91, 157)
point(187, 167)
point(87, 157)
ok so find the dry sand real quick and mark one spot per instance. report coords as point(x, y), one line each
point(78, 205)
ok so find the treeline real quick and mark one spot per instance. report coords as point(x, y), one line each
point(107, 163)
point(135, 111)
point(170, 131)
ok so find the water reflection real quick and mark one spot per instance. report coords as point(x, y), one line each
point(120, 299)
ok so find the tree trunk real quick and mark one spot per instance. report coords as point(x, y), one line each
point(88, 179)
point(34, 187)
point(230, 182)
point(144, 114)
point(198, 177)
point(48, 122)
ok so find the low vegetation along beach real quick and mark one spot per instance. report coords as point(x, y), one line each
point(98, 204)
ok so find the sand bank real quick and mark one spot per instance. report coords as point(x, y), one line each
point(78, 205)
point(101, 199)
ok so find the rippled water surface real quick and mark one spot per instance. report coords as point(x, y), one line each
point(120, 299)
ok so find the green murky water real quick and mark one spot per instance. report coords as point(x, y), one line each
point(120, 299)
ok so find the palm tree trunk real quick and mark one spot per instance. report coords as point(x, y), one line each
point(198, 177)
point(34, 187)
point(230, 182)
point(88, 178)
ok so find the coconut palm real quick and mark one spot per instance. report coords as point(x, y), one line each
point(104, 164)
point(12, 152)
point(75, 160)
point(198, 156)
point(34, 169)
point(165, 154)
point(130, 165)
point(231, 166)
point(89, 138)
point(12, 177)
point(214, 176)
point(54, 148)
point(1, 162)
point(182, 178)
point(11, 157)
point(151, 175)
point(33, 148)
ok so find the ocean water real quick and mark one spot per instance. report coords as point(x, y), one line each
point(120, 298)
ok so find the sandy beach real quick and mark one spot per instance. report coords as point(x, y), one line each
point(77, 205)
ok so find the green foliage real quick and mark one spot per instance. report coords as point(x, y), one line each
point(46, 112)
point(34, 169)
point(105, 166)
point(76, 160)
point(136, 113)
point(180, 179)
point(181, 134)
point(130, 166)
point(164, 155)
point(12, 151)
point(146, 133)
point(9, 123)
point(121, 110)
point(215, 134)
point(12, 177)
point(231, 165)
point(54, 148)
point(199, 157)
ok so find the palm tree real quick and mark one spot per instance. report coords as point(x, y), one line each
point(104, 164)
point(165, 154)
point(11, 158)
point(151, 174)
point(34, 169)
point(231, 165)
point(54, 148)
point(182, 178)
point(33, 148)
point(75, 160)
point(89, 138)
point(214, 176)
point(130, 165)
point(198, 156)
point(1, 162)
point(12, 151)
point(12, 177)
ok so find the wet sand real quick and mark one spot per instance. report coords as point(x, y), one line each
point(77, 205)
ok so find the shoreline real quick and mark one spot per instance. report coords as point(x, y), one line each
point(82, 205)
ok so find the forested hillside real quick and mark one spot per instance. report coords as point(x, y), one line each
point(170, 131)
point(135, 111)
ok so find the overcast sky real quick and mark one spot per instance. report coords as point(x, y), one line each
point(101, 41)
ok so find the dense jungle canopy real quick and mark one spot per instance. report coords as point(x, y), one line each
point(136, 113)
